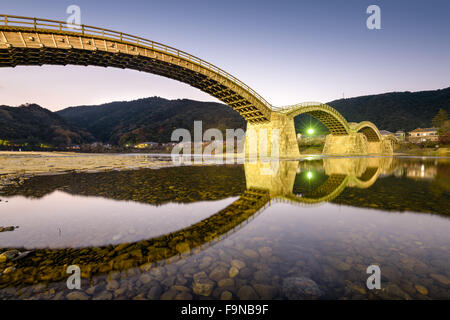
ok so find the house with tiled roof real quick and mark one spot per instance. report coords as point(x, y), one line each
point(420, 135)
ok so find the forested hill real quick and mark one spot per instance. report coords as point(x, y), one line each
point(395, 110)
point(154, 119)
point(34, 125)
point(150, 119)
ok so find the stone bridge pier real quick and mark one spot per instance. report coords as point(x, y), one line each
point(277, 138)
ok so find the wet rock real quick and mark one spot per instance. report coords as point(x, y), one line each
point(9, 255)
point(169, 295)
point(245, 272)
point(341, 265)
point(202, 285)
point(440, 278)
point(181, 288)
point(219, 273)
point(146, 267)
point(392, 291)
point(38, 288)
point(183, 296)
point(247, 293)
point(233, 272)
point(206, 262)
point(4, 229)
point(119, 292)
point(421, 289)
point(180, 279)
point(238, 264)
point(139, 297)
point(183, 247)
point(145, 278)
point(105, 295)
point(155, 292)
point(265, 252)
point(251, 253)
point(266, 292)
point(9, 270)
point(169, 281)
point(112, 285)
point(158, 273)
point(226, 295)
point(77, 295)
point(361, 290)
point(300, 288)
point(226, 283)
point(261, 276)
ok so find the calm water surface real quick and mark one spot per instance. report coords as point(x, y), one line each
point(290, 230)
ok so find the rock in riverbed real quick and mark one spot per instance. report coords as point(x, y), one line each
point(300, 288)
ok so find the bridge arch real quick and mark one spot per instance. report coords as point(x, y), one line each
point(330, 117)
point(369, 130)
point(32, 41)
point(328, 191)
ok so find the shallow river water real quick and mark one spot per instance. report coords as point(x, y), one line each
point(304, 229)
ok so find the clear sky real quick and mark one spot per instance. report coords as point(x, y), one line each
point(288, 51)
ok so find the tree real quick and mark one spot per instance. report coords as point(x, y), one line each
point(444, 133)
point(440, 118)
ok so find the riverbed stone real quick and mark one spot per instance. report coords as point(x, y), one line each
point(145, 278)
point(300, 288)
point(266, 292)
point(251, 253)
point(112, 285)
point(238, 264)
point(202, 285)
point(183, 296)
point(233, 272)
point(265, 252)
point(77, 295)
point(169, 295)
point(226, 295)
point(8, 255)
point(218, 273)
point(421, 289)
point(104, 295)
point(440, 278)
point(155, 292)
point(247, 293)
point(228, 282)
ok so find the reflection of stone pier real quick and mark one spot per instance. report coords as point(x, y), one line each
point(266, 183)
point(278, 178)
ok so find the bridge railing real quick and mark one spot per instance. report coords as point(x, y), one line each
point(37, 23)
point(286, 109)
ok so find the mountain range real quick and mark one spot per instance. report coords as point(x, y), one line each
point(155, 118)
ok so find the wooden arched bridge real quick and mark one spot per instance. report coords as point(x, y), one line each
point(33, 41)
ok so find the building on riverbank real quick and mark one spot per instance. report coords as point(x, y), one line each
point(421, 135)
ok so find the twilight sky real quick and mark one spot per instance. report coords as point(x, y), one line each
point(288, 51)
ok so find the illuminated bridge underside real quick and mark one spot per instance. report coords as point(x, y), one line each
point(369, 130)
point(329, 116)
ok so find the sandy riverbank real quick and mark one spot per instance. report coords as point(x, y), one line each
point(15, 167)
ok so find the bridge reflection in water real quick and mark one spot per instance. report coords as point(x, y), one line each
point(262, 190)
